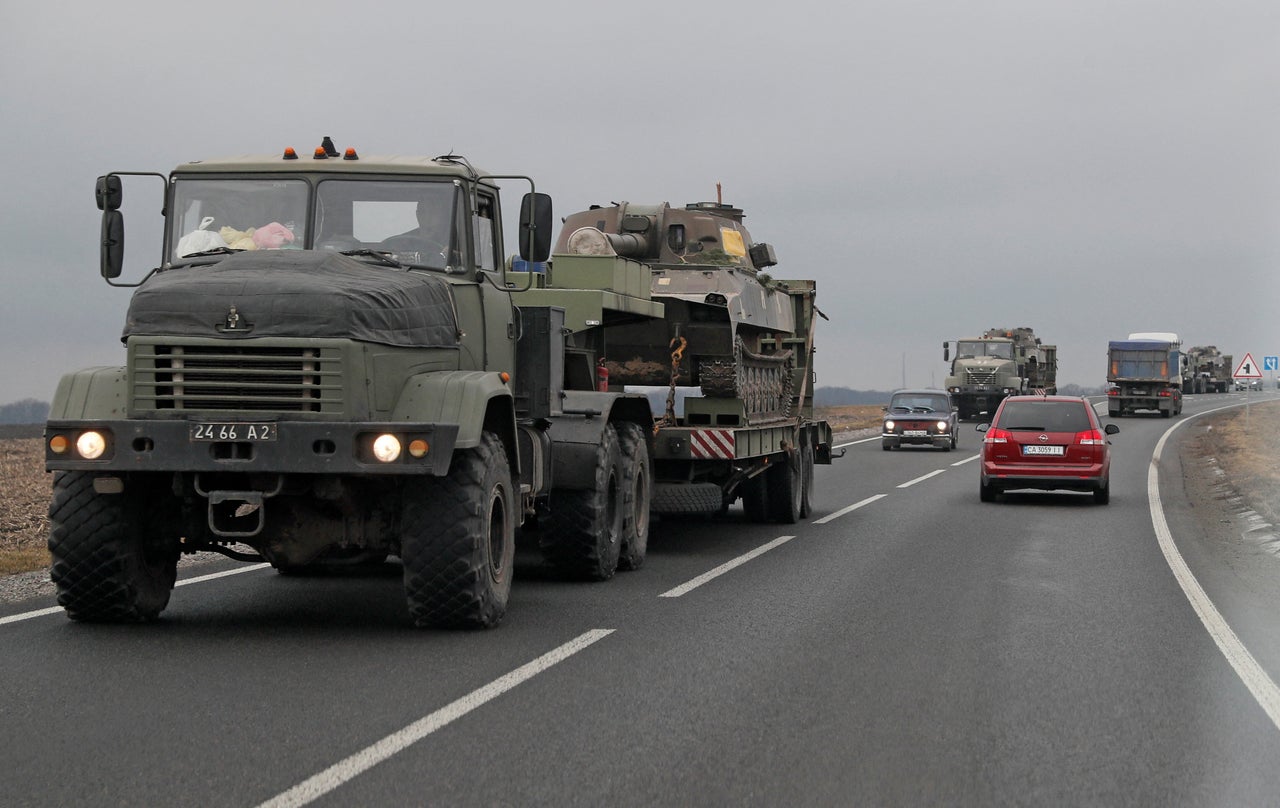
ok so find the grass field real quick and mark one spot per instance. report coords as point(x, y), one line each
point(1247, 449)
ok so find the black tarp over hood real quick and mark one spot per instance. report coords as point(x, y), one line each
point(296, 293)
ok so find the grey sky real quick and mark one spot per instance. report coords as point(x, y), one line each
point(1085, 168)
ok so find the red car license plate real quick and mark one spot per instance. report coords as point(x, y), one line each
point(1043, 450)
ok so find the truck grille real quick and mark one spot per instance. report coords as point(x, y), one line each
point(980, 376)
point(238, 378)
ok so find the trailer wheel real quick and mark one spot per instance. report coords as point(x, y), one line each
point(806, 480)
point(584, 537)
point(457, 540)
point(784, 482)
point(113, 557)
point(637, 474)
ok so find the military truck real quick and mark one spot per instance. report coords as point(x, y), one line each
point(1206, 370)
point(1144, 373)
point(332, 364)
point(728, 368)
point(1000, 363)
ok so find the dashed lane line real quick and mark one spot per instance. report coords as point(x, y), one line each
point(849, 509)
point(968, 459)
point(318, 785)
point(689, 586)
point(921, 478)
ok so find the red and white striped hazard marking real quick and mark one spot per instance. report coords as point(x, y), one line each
point(711, 444)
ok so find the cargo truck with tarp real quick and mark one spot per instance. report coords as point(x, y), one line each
point(1144, 374)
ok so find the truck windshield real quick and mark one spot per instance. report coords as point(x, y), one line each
point(970, 349)
point(418, 222)
point(237, 214)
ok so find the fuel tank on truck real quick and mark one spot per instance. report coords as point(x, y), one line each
point(726, 319)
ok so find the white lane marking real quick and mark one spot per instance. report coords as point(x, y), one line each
point(326, 781)
point(921, 479)
point(223, 574)
point(1246, 667)
point(689, 586)
point(16, 618)
point(969, 459)
point(848, 509)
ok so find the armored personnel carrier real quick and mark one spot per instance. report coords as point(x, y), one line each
point(727, 366)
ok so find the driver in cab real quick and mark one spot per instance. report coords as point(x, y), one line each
point(430, 239)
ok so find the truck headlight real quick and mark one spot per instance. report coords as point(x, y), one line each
point(386, 448)
point(91, 445)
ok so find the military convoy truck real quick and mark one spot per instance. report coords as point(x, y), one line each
point(332, 364)
point(1002, 362)
point(1144, 373)
point(1206, 370)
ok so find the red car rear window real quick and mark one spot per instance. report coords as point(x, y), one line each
point(1044, 416)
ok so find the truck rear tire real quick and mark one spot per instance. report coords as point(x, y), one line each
point(112, 559)
point(755, 498)
point(584, 536)
point(457, 540)
point(783, 481)
point(806, 479)
point(637, 474)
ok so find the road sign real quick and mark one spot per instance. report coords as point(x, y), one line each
point(1247, 369)
point(1271, 363)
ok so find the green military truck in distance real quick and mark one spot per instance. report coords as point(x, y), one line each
point(331, 364)
point(1002, 362)
point(1205, 369)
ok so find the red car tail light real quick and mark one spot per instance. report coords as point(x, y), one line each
point(1090, 437)
point(997, 435)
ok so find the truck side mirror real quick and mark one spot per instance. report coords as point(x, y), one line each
point(946, 352)
point(108, 192)
point(535, 227)
point(112, 263)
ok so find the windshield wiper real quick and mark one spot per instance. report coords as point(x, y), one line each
point(215, 251)
point(384, 258)
point(1025, 428)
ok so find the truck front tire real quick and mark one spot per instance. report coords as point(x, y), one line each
point(112, 559)
point(458, 540)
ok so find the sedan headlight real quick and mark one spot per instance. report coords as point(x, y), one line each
point(888, 426)
point(942, 426)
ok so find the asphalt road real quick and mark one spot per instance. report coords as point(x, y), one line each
point(919, 648)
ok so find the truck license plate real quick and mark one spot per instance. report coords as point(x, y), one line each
point(252, 432)
point(1042, 450)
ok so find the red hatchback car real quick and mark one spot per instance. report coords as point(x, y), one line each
point(1047, 443)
